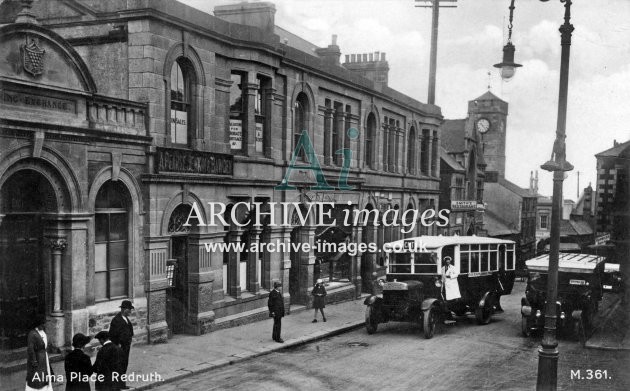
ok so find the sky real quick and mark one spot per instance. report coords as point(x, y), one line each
point(471, 38)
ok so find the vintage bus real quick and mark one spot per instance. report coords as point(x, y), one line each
point(482, 269)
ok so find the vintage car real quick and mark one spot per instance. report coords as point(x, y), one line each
point(413, 288)
point(612, 281)
point(579, 293)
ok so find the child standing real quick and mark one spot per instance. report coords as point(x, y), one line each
point(319, 292)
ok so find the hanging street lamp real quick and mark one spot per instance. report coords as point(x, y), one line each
point(508, 66)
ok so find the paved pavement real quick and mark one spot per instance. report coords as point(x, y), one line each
point(185, 355)
point(612, 325)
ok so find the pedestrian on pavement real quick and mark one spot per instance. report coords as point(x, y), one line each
point(78, 365)
point(107, 364)
point(319, 301)
point(121, 333)
point(276, 310)
point(39, 373)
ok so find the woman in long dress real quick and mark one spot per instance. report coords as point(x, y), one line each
point(38, 371)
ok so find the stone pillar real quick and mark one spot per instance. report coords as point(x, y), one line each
point(437, 160)
point(253, 266)
point(306, 264)
point(328, 125)
point(339, 119)
point(155, 286)
point(234, 271)
point(200, 286)
point(355, 264)
point(57, 247)
point(430, 157)
point(391, 161)
point(384, 158)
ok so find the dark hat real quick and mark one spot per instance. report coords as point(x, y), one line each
point(104, 335)
point(38, 320)
point(277, 284)
point(80, 340)
point(126, 305)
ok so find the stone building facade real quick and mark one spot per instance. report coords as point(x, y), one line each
point(124, 118)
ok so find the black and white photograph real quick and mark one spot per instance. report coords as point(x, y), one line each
point(314, 195)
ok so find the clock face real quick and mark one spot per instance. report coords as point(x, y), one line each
point(483, 125)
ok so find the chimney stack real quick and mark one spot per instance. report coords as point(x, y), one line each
point(330, 54)
point(261, 15)
point(373, 66)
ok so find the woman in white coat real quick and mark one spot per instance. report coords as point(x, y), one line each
point(449, 280)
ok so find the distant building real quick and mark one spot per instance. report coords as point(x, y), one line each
point(511, 214)
point(462, 177)
point(612, 175)
point(612, 203)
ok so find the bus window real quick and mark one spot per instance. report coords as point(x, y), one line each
point(510, 259)
point(474, 261)
point(400, 263)
point(425, 263)
point(484, 261)
point(493, 260)
point(464, 266)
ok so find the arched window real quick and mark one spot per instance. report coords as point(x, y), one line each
point(411, 151)
point(181, 86)
point(369, 140)
point(300, 121)
point(111, 241)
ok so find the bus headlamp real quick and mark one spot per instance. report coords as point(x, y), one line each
point(438, 283)
point(380, 283)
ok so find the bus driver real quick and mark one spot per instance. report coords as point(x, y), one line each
point(449, 280)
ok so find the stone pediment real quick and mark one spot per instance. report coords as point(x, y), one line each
point(37, 56)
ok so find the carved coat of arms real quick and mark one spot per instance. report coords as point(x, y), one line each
point(32, 57)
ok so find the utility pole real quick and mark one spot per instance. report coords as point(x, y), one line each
point(578, 186)
point(435, 5)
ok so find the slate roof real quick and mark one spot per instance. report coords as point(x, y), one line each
point(450, 161)
point(615, 151)
point(514, 188)
point(453, 135)
point(496, 226)
point(489, 96)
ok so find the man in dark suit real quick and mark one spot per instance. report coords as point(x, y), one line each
point(121, 333)
point(107, 364)
point(78, 365)
point(276, 310)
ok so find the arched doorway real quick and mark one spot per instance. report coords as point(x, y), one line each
point(25, 198)
point(177, 295)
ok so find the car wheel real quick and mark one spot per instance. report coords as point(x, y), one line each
point(526, 328)
point(484, 313)
point(370, 320)
point(429, 320)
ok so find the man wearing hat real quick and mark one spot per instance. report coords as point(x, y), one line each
point(276, 310)
point(107, 364)
point(78, 365)
point(121, 333)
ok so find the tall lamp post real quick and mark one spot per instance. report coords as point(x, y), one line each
point(548, 351)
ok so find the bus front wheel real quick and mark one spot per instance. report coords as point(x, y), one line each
point(484, 311)
point(429, 320)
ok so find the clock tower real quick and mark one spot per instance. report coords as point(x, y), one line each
point(489, 116)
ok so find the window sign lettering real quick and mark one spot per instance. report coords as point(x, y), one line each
point(236, 134)
point(179, 127)
point(259, 137)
